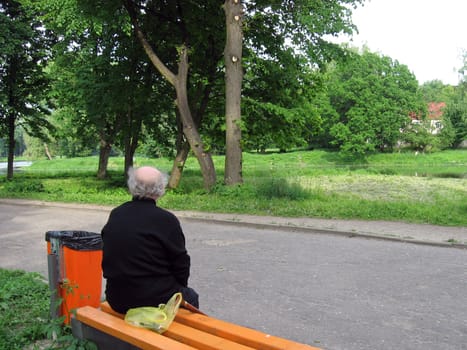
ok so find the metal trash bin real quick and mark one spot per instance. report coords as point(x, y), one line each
point(74, 268)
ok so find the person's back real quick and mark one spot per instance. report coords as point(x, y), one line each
point(144, 256)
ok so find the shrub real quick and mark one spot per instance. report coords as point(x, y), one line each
point(24, 306)
point(280, 188)
point(24, 186)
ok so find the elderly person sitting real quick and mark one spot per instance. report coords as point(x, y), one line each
point(144, 256)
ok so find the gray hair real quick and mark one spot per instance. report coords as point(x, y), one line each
point(150, 189)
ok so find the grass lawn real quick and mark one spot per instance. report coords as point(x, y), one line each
point(423, 188)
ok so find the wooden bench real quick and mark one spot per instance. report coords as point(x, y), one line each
point(107, 329)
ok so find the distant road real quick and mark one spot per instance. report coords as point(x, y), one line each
point(4, 165)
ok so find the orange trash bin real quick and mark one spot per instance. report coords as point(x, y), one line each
point(74, 267)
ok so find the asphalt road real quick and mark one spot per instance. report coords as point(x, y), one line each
point(326, 290)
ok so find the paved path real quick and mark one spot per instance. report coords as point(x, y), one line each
point(296, 278)
point(389, 230)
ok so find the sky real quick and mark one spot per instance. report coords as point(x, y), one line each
point(426, 35)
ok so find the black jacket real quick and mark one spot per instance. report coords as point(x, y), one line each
point(144, 256)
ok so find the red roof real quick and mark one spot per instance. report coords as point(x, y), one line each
point(435, 110)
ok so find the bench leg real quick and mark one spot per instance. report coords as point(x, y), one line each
point(102, 340)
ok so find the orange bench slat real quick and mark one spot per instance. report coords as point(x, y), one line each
point(140, 337)
point(238, 334)
point(201, 340)
point(187, 335)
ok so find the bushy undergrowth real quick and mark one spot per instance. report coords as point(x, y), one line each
point(25, 321)
point(24, 309)
point(25, 186)
point(281, 189)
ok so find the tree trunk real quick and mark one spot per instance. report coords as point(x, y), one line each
point(179, 82)
point(233, 88)
point(104, 153)
point(183, 147)
point(189, 127)
point(128, 161)
point(131, 138)
point(47, 152)
point(11, 144)
point(178, 164)
point(130, 149)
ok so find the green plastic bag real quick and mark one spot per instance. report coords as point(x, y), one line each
point(156, 318)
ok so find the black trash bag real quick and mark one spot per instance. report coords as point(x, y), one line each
point(76, 240)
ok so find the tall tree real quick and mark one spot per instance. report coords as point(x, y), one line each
point(179, 81)
point(100, 75)
point(285, 48)
point(277, 102)
point(373, 96)
point(233, 90)
point(24, 52)
point(456, 110)
point(454, 118)
point(85, 81)
point(436, 91)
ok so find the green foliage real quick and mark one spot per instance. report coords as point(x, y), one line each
point(24, 307)
point(283, 117)
point(102, 84)
point(303, 23)
point(419, 137)
point(34, 148)
point(24, 52)
point(373, 96)
point(436, 91)
point(70, 139)
point(158, 141)
point(25, 315)
point(454, 118)
point(270, 125)
point(24, 186)
point(105, 90)
point(282, 85)
point(456, 110)
point(456, 115)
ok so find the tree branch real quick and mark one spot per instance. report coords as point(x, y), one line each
point(161, 67)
